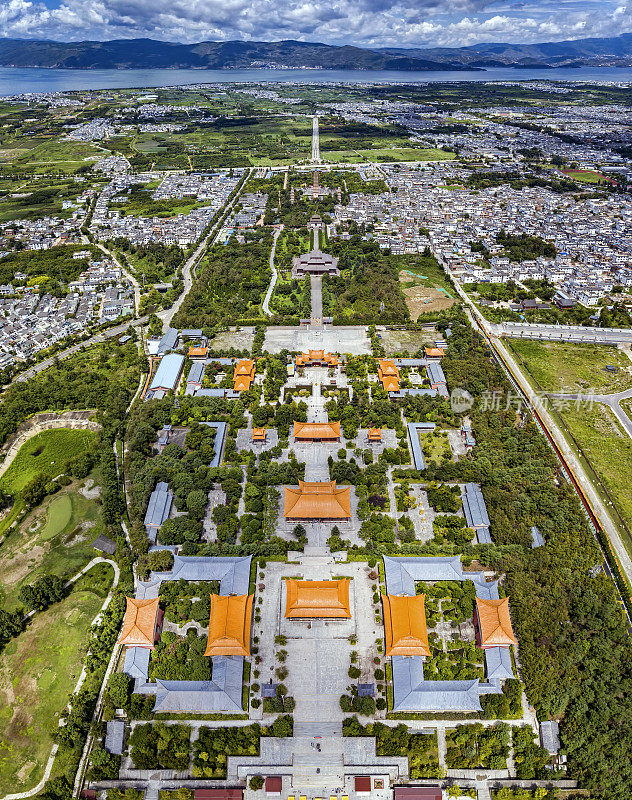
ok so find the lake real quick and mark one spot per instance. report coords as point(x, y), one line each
point(20, 81)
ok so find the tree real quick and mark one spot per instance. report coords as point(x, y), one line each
point(35, 490)
point(256, 782)
point(196, 503)
point(10, 625)
point(120, 689)
point(45, 591)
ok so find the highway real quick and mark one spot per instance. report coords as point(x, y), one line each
point(562, 333)
point(565, 451)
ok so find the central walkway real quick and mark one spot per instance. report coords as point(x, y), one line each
point(315, 141)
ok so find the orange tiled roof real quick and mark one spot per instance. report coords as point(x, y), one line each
point(495, 623)
point(375, 434)
point(388, 375)
point(229, 626)
point(317, 501)
point(244, 375)
point(316, 430)
point(316, 356)
point(434, 352)
point(405, 630)
point(317, 599)
point(194, 352)
point(258, 434)
point(139, 624)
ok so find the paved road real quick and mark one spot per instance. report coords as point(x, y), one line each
point(315, 141)
point(562, 333)
point(187, 279)
point(110, 333)
point(611, 400)
point(570, 457)
point(316, 314)
point(266, 301)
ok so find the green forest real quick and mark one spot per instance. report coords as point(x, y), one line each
point(103, 377)
point(368, 289)
point(230, 285)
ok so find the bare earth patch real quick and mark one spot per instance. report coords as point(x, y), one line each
point(425, 300)
point(89, 490)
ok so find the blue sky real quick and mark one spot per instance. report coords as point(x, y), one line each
point(367, 23)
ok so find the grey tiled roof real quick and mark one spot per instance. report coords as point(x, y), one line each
point(498, 663)
point(114, 736)
point(550, 736)
point(221, 429)
point(222, 693)
point(159, 506)
point(412, 693)
point(483, 536)
point(415, 444)
point(486, 590)
point(136, 662)
point(401, 573)
point(474, 506)
point(104, 544)
point(410, 362)
point(537, 540)
point(434, 373)
point(168, 341)
point(196, 373)
point(233, 572)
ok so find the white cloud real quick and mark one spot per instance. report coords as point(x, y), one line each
point(404, 23)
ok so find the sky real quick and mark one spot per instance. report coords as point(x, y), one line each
point(364, 23)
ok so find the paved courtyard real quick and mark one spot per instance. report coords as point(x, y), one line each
point(332, 339)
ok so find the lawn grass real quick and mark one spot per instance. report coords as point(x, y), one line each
point(45, 453)
point(609, 450)
point(352, 156)
point(566, 367)
point(38, 671)
point(54, 539)
point(587, 176)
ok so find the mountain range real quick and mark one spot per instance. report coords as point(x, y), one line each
point(153, 54)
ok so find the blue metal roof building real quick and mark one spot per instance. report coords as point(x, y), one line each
point(168, 373)
point(168, 342)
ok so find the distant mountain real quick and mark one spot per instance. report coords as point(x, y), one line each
point(613, 52)
point(152, 54)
